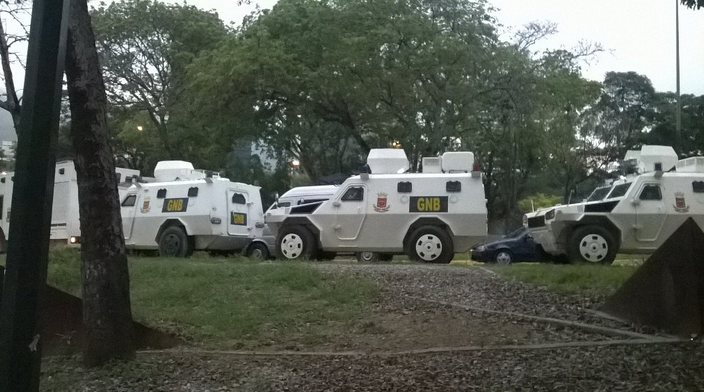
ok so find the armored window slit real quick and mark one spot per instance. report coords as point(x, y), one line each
point(404, 187)
point(698, 186)
point(193, 192)
point(161, 193)
point(453, 186)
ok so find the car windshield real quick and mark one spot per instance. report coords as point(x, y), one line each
point(599, 193)
point(516, 233)
point(619, 190)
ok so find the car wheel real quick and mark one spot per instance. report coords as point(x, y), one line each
point(367, 257)
point(503, 256)
point(258, 251)
point(430, 244)
point(174, 242)
point(592, 244)
point(296, 243)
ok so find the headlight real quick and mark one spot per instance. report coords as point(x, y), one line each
point(550, 215)
point(481, 248)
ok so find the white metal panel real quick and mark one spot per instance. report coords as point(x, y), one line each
point(387, 160)
point(458, 161)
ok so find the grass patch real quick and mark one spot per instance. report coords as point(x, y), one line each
point(222, 300)
point(570, 279)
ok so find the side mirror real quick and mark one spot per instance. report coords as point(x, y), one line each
point(336, 204)
point(635, 201)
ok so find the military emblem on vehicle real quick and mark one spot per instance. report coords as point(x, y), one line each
point(680, 202)
point(145, 206)
point(381, 203)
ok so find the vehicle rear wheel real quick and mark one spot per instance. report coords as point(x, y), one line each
point(430, 244)
point(174, 242)
point(503, 256)
point(258, 251)
point(592, 244)
point(296, 243)
point(367, 257)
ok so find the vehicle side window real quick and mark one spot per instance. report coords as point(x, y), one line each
point(651, 192)
point(354, 194)
point(129, 201)
point(619, 190)
point(239, 198)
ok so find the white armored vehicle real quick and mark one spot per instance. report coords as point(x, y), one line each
point(65, 224)
point(633, 215)
point(187, 210)
point(429, 216)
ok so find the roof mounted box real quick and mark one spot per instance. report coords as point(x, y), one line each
point(457, 162)
point(387, 161)
point(650, 155)
point(172, 170)
point(691, 165)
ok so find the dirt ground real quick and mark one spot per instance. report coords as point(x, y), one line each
point(425, 334)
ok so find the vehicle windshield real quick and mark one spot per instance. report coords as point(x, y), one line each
point(619, 190)
point(599, 193)
point(517, 233)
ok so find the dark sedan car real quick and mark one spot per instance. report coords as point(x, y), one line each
point(517, 246)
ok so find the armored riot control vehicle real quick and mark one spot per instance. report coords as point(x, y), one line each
point(634, 214)
point(187, 210)
point(65, 222)
point(429, 216)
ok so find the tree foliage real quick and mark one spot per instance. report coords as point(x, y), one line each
point(694, 4)
point(145, 48)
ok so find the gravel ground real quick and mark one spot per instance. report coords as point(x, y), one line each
point(666, 367)
point(480, 288)
point(621, 367)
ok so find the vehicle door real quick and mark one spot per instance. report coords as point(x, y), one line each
point(128, 210)
point(650, 212)
point(238, 212)
point(350, 211)
point(525, 248)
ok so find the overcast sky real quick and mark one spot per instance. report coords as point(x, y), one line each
point(639, 35)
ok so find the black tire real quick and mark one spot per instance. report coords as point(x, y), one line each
point(592, 244)
point(430, 244)
point(174, 242)
point(258, 251)
point(367, 257)
point(386, 257)
point(296, 243)
point(503, 256)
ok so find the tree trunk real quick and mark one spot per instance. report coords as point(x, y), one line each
point(107, 315)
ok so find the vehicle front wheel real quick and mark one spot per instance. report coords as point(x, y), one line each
point(430, 244)
point(367, 257)
point(503, 256)
point(258, 251)
point(592, 244)
point(296, 243)
point(174, 242)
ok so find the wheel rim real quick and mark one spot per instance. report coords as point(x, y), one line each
point(593, 248)
point(172, 245)
point(257, 254)
point(292, 246)
point(503, 258)
point(428, 247)
point(367, 256)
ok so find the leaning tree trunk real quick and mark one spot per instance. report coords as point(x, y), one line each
point(107, 316)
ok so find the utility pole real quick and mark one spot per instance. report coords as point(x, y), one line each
point(21, 313)
point(678, 113)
